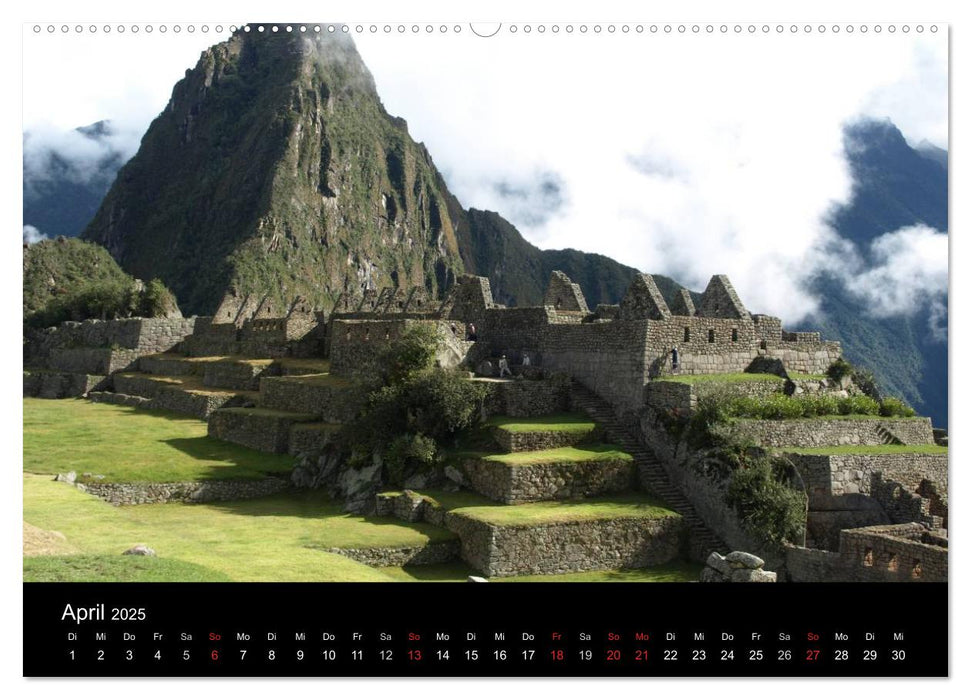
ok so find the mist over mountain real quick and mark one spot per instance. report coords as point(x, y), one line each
point(275, 169)
point(67, 177)
point(896, 189)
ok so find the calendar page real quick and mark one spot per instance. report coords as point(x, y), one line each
point(419, 348)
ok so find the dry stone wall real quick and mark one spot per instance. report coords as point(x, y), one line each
point(884, 553)
point(823, 432)
point(134, 494)
point(546, 482)
point(47, 384)
point(331, 403)
point(567, 547)
point(838, 475)
point(265, 431)
point(511, 441)
point(431, 553)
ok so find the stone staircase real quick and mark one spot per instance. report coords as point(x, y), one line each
point(651, 473)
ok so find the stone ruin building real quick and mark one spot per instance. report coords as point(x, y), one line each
point(280, 379)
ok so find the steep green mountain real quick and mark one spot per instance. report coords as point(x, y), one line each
point(276, 169)
point(894, 186)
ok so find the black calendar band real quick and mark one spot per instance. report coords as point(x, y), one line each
point(360, 630)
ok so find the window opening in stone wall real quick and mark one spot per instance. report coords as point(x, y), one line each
point(917, 570)
point(711, 336)
point(892, 564)
point(734, 335)
point(687, 335)
point(868, 557)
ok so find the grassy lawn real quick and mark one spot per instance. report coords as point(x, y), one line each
point(559, 455)
point(115, 569)
point(669, 573)
point(557, 422)
point(549, 512)
point(278, 538)
point(730, 378)
point(869, 450)
point(126, 445)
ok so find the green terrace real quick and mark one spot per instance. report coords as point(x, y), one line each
point(276, 538)
point(558, 422)
point(727, 378)
point(868, 450)
point(143, 445)
point(627, 505)
point(558, 455)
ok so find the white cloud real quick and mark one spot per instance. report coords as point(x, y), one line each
point(681, 155)
point(50, 152)
point(32, 235)
point(908, 275)
point(686, 155)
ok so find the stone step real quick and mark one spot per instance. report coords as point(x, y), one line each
point(257, 428)
point(560, 537)
point(543, 432)
point(327, 397)
point(546, 475)
point(182, 394)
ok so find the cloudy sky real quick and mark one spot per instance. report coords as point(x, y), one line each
point(684, 154)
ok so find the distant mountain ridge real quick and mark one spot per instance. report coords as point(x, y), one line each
point(275, 169)
point(895, 186)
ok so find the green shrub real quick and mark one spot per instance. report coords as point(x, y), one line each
point(156, 300)
point(407, 454)
point(895, 408)
point(858, 405)
point(413, 351)
point(769, 508)
point(839, 369)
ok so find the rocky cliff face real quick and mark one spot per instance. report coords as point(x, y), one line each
point(276, 170)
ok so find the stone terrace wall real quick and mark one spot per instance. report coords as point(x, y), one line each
point(103, 347)
point(544, 482)
point(806, 357)
point(822, 432)
point(527, 398)
point(682, 397)
point(879, 553)
point(565, 547)
point(838, 475)
point(184, 492)
point(47, 384)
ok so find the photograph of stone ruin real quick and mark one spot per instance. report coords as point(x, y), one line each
point(322, 380)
